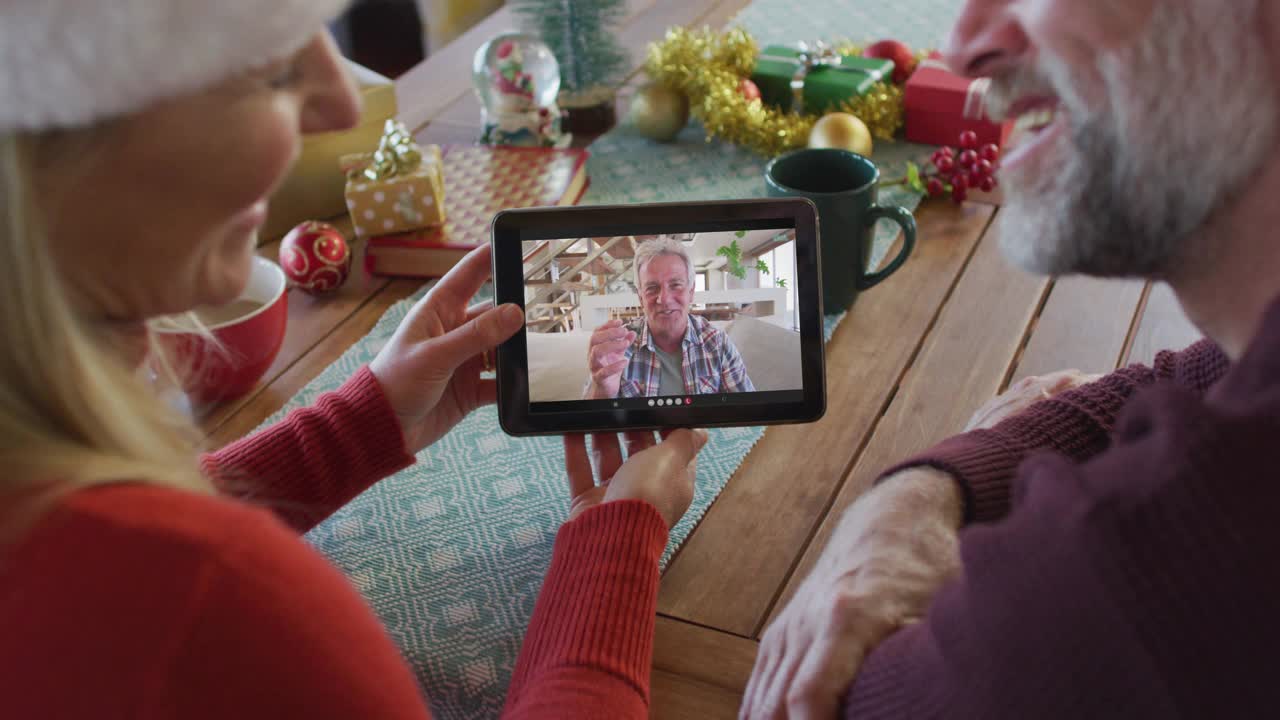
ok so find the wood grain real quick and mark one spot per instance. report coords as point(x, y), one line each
point(723, 14)
point(963, 362)
point(1084, 325)
point(703, 654)
point(1163, 326)
point(674, 697)
point(784, 487)
point(442, 133)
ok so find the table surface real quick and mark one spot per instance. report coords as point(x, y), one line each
point(913, 359)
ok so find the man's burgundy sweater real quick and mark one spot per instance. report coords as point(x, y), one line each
point(1121, 559)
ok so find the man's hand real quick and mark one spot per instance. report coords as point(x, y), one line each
point(1025, 393)
point(661, 475)
point(430, 369)
point(607, 359)
point(893, 549)
point(891, 552)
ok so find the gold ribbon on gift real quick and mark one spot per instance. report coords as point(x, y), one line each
point(975, 97)
point(397, 154)
point(821, 55)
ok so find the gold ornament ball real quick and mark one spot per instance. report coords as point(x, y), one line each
point(659, 112)
point(841, 131)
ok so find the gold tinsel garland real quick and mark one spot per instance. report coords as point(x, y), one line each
point(709, 68)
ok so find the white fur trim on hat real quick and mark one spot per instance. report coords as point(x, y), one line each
point(67, 63)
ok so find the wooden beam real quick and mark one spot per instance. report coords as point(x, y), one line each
point(557, 248)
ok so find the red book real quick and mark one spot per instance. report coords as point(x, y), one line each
point(480, 180)
point(940, 105)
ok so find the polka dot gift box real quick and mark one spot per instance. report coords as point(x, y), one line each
point(399, 187)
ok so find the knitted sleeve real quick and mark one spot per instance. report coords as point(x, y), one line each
point(1028, 630)
point(1109, 582)
point(589, 647)
point(1075, 424)
point(278, 632)
point(318, 458)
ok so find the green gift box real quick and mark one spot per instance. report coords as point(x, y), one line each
point(828, 78)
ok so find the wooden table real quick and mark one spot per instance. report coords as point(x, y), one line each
point(906, 368)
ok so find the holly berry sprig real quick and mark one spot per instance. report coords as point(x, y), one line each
point(957, 170)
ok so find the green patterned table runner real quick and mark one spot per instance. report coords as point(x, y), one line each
point(451, 552)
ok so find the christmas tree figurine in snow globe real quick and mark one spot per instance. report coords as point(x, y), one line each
point(583, 35)
point(518, 79)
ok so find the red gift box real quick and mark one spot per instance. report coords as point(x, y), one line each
point(940, 105)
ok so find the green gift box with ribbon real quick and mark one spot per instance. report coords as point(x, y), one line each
point(817, 79)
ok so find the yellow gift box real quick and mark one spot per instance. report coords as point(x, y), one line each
point(314, 188)
point(398, 188)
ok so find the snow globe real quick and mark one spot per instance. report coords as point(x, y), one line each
point(518, 80)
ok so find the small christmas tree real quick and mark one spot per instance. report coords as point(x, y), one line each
point(580, 35)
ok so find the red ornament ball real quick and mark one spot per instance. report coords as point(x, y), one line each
point(315, 257)
point(904, 61)
point(749, 89)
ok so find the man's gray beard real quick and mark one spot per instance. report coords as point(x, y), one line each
point(1196, 132)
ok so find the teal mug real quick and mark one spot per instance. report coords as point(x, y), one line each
point(844, 185)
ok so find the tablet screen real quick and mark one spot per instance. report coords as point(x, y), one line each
point(689, 319)
point(660, 315)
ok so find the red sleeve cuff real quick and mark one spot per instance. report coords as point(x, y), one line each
point(597, 607)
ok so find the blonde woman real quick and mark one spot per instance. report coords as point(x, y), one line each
point(138, 142)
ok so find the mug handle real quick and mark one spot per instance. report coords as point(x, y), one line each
point(908, 223)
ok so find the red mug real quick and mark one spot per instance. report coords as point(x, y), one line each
point(250, 330)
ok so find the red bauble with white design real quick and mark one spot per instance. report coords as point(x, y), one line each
point(315, 257)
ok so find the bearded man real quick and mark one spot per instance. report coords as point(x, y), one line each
point(669, 351)
point(1117, 557)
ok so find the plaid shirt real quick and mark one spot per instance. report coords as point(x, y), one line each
point(711, 363)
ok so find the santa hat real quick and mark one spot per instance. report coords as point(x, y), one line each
point(69, 63)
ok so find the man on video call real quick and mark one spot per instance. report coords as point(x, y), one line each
point(671, 352)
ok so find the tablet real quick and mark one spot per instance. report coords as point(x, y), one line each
point(656, 316)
